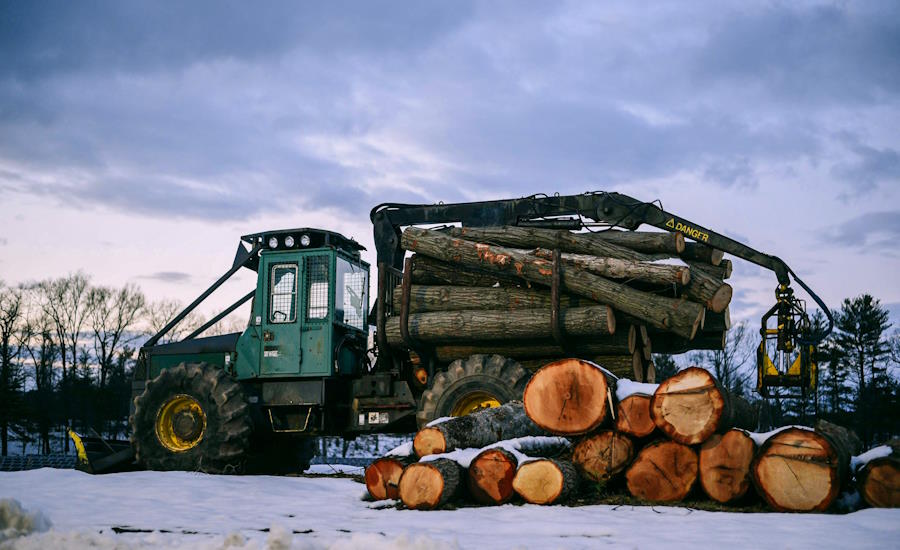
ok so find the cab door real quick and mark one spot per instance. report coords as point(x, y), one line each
point(281, 352)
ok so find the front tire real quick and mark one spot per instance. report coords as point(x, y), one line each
point(192, 417)
point(480, 381)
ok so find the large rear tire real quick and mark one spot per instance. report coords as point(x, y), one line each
point(480, 381)
point(192, 417)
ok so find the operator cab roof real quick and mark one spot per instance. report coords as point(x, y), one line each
point(318, 238)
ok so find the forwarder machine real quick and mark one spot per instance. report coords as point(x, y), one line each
point(256, 400)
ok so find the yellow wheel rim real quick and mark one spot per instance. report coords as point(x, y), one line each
point(473, 402)
point(180, 423)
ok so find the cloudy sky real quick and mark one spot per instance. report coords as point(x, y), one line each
point(139, 140)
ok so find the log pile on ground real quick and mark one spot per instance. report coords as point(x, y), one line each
point(489, 290)
point(580, 429)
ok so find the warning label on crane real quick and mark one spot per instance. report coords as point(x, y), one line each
point(695, 234)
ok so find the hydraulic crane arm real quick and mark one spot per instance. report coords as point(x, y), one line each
point(574, 212)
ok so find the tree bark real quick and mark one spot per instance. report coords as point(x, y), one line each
point(623, 366)
point(800, 470)
point(658, 274)
point(603, 455)
point(878, 480)
point(633, 416)
point(429, 271)
point(532, 237)
point(484, 325)
point(430, 485)
point(427, 299)
point(717, 322)
point(672, 344)
point(476, 430)
point(546, 481)
point(691, 406)
point(622, 342)
point(725, 465)
point(643, 241)
point(721, 271)
point(709, 291)
point(491, 475)
point(383, 476)
point(699, 252)
point(663, 471)
point(568, 397)
point(679, 316)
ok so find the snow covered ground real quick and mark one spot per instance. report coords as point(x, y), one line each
point(188, 510)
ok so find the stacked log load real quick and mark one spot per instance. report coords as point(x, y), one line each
point(579, 427)
point(618, 295)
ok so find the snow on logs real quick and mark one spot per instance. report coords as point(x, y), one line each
point(878, 475)
point(569, 396)
point(476, 430)
point(691, 406)
point(803, 470)
point(493, 469)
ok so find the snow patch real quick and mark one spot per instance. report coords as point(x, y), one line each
point(437, 421)
point(464, 457)
point(604, 370)
point(860, 461)
point(331, 469)
point(16, 522)
point(626, 388)
point(760, 438)
point(403, 450)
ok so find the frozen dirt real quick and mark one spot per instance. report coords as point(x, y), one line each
point(190, 510)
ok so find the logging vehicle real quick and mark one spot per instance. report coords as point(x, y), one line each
point(304, 367)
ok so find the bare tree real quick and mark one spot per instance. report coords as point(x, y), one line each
point(160, 312)
point(41, 346)
point(11, 374)
point(728, 365)
point(65, 302)
point(112, 313)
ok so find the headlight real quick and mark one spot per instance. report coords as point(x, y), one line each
point(289, 241)
point(304, 240)
point(273, 242)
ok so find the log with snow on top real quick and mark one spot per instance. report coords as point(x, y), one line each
point(430, 485)
point(546, 481)
point(663, 471)
point(725, 465)
point(633, 408)
point(801, 469)
point(383, 475)
point(476, 430)
point(878, 475)
point(602, 455)
point(492, 470)
point(678, 316)
point(691, 406)
point(569, 396)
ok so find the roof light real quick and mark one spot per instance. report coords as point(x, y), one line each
point(273, 242)
point(304, 240)
point(289, 241)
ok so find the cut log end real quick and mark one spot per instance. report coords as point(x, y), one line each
point(545, 481)
point(603, 455)
point(491, 476)
point(633, 416)
point(725, 465)
point(688, 406)
point(428, 485)
point(721, 298)
point(383, 478)
point(429, 441)
point(797, 471)
point(880, 486)
point(567, 397)
point(664, 471)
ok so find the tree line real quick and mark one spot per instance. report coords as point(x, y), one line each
point(857, 365)
point(67, 349)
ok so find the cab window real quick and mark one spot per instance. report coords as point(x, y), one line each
point(283, 294)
